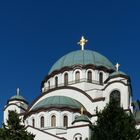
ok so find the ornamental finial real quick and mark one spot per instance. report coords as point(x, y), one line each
point(82, 110)
point(18, 91)
point(82, 42)
point(117, 66)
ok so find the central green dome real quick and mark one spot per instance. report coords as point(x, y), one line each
point(82, 57)
point(58, 101)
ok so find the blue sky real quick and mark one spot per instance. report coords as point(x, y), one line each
point(35, 33)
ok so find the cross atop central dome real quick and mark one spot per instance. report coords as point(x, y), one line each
point(82, 42)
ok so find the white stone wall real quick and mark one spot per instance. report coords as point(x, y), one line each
point(47, 119)
point(39, 135)
point(83, 131)
point(14, 106)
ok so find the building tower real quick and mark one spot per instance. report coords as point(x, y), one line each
point(16, 103)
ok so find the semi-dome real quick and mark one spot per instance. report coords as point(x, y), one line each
point(82, 57)
point(18, 97)
point(58, 102)
point(81, 118)
point(117, 73)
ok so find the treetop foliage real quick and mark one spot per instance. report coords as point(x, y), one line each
point(14, 130)
point(114, 123)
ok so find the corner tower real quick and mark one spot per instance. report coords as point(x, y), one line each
point(16, 103)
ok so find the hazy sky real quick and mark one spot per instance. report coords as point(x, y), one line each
point(35, 33)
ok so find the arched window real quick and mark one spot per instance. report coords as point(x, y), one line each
point(48, 84)
point(66, 79)
point(56, 81)
point(33, 122)
point(65, 121)
point(42, 122)
point(101, 78)
point(89, 76)
point(53, 121)
point(78, 137)
point(115, 95)
point(77, 76)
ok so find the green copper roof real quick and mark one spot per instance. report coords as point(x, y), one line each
point(58, 101)
point(82, 118)
point(17, 97)
point(82, 57)
point(117, 73)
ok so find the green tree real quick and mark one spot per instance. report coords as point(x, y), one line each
point(114, 123)
point(14, 130)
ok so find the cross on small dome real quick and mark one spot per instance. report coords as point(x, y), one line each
point(18, 91)
point(117, 66)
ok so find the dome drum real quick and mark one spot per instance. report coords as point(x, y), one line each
point(79, 60)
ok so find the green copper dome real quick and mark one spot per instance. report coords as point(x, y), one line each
point(58, 101)
point(18, 97)
point(82, 57)
point(117, 73)
point(81, 118)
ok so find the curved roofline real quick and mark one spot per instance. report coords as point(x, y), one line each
point(116, 81)
point(82, 57)
point(17, 100)
point(55, 108)
point(116, 76)
point(58, 101)
point(82, 118)
point(59, 88)
point(15, 105)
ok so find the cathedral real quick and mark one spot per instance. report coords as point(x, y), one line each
point(77, 84)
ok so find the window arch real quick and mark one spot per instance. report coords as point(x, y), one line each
point(33, 122)
point(53, 121)
point(65, 121)
point(48, 84)
point(115, 95)
point(66, 79)
point(101, 78)
point(78, 137)
point(77, 76)
point(42, 122)
point(89, 76)
point(56, 81)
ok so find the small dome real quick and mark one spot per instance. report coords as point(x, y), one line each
point(58, 101)
point(81, 118)
point(117, 73)
point(82, 57)
point(17, 97)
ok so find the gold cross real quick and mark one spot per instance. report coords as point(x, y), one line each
point(82, 42)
